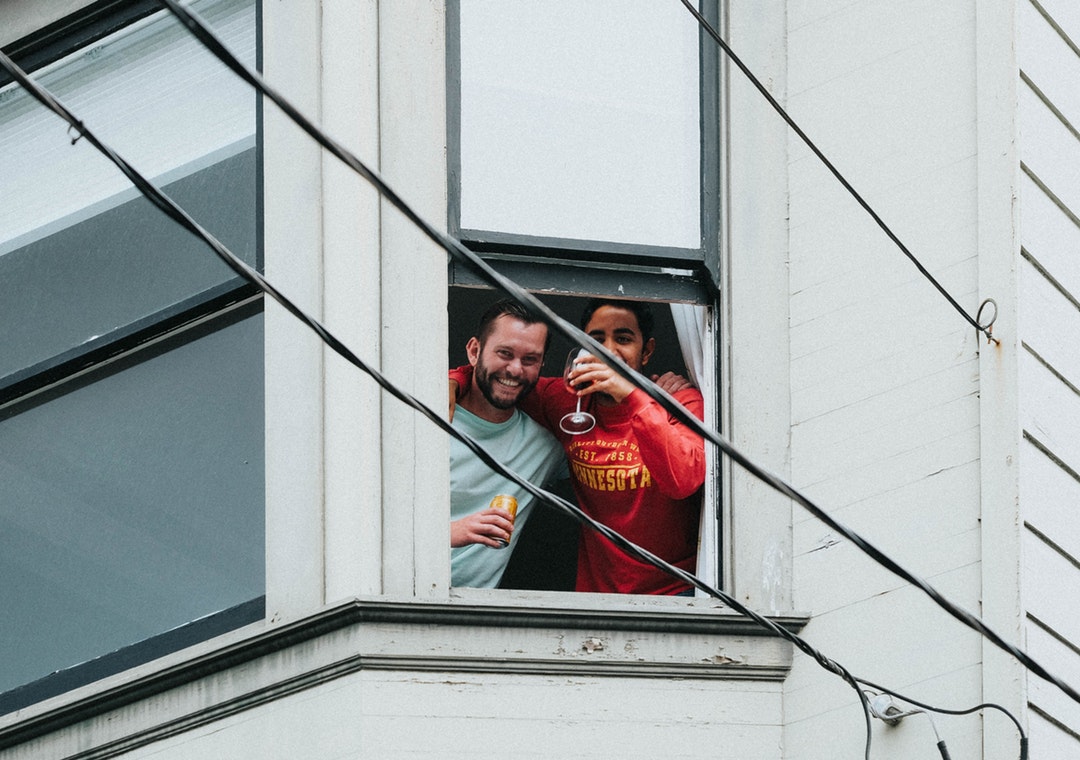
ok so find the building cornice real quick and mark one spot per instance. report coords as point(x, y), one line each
point(500, 633)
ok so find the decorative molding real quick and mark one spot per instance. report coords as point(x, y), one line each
point(507, 635)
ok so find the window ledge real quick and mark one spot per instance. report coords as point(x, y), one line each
point(508, 633)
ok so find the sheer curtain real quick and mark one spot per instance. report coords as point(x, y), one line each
point(691, 325)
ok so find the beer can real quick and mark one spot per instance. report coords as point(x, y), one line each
point(508, 503)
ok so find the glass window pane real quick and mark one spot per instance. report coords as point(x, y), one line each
point(581, 120)
point(133, 503)
point(81, 253)
point(87, 280)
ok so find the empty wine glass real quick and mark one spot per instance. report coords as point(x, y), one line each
point(577, 421)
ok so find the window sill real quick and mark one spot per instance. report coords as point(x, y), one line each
point(509, 632)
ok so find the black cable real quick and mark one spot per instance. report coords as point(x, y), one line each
point(482, 269)
point(244, 270)
point(967, 711)
point(179, 215)
point(708, 28)
point(175, 212)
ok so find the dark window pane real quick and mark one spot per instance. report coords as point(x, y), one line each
point(133, 503)
point(79, 285)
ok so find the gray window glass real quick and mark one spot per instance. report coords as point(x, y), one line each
point(133, 502)
point(82, 256)
point(131, 361)
point(581, 120)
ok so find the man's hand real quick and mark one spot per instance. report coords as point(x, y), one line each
point(483, 527)
point(591, 375)
point(453, 398)
point(604, 379)
point(669, 382)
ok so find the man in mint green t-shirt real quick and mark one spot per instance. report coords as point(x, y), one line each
point(507, 353)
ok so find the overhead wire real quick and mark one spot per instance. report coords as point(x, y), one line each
point(170, 208)
point(458, 250)
point(949, 711)
point(163, 202)
point(482, 269)
point(709, 29)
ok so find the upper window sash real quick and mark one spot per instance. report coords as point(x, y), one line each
point(583, 131)
point(87, 266)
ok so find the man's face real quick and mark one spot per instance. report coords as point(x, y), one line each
point(509, 361)
point(617, 330)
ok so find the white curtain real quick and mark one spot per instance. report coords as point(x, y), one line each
point(691, 325)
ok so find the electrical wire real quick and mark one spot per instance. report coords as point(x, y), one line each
point(179, 215)
point(169, 207)
point(175, 212)
point(760, 87)
point(483, 270)
point(947, 711)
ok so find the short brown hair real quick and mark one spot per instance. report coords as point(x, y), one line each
point(511, 308)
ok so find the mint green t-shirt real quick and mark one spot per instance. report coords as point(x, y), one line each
point(522, 446)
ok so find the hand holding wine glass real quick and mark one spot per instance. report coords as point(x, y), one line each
point(576, 422)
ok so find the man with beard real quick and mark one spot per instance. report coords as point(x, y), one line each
point(506, 355)
point(638, 470)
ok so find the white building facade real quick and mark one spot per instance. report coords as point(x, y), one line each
point(226, 541)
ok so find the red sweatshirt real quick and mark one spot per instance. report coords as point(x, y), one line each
point(638, 472)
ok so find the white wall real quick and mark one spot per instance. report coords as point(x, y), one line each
point(884, 372)
point(1049, 101)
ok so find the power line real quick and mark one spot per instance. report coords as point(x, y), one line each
point(478, 266)
point(170, 208)
point(175, 212)
point(178, 214)
point(760, 87)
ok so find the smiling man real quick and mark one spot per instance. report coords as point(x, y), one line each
point(505, 355)
point(638, 470)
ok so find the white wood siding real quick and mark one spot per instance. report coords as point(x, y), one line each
point(1050, 362)
point(452, 715)
point(884, 373)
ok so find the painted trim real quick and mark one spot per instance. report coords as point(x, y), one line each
point(407, 635)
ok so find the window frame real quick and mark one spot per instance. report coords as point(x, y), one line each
point(172, 326)
point(77, 31)
point(357, 507)
point(600, 267)
point(660, 274)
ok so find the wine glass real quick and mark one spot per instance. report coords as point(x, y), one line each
point(576, 422)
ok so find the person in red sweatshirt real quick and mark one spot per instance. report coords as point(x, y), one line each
point(637, 471)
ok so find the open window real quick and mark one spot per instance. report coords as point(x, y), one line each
point(584, 161)
point(546, 554)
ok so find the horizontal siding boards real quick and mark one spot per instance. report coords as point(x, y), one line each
point(1050, 236)
point(1049, 148)
point(1050, 498)
point(1050, 410)
point(1065, 14)
point(1048, 739)
point(453, 715)
point(1048, 60)
point(1051, 588)
point(903, 637)
point(1047, 315)
point(929, 536)
point(1064, 662)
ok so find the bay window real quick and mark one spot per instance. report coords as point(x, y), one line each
point(131, 368)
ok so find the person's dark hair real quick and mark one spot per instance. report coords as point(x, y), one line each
point(511, 308)
point(640, 309)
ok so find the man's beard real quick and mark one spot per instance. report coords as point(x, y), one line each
point(486, 382)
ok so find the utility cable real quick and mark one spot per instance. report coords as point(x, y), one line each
point(892, 715)
point(169, 207)
point(711, 31)
point(478, 266)
point(179, 215)
point(947, 711)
